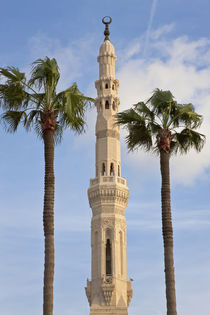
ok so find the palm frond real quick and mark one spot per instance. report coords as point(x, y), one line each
point(142, 109)
point(144, 122)
point(33, 118)
point(12, 93)
point(11, 119)
point(12, 74)
point(160, 101)
point(71, 105)
point(187, 139)
point(58, 134)
point(13, 96)
point(138, 136)
point(185, 114)
point(44, 72)
point(18, 95)
point(38, 129)
point(129, 116)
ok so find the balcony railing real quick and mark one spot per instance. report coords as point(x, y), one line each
point(108, 179)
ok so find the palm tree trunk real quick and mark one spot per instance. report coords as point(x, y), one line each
point(48, 221)
point(167, 234)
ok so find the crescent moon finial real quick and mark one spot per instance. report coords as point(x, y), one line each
point(106, 21)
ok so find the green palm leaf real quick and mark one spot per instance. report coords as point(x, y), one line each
point(37, 96)
point(145, 121)
point(12, 119)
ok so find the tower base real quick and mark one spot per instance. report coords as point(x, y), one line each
point(109, 311)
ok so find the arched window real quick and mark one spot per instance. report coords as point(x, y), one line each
point(100, 107)
point(103, 169)
point(112, 86)
point(111, 169)
point(106, 86)
point(113, 106)
point(108, 258)
point(107, 105)
point(118, 170)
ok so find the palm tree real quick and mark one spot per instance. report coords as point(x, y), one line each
point(165, 127)
point(35, 103)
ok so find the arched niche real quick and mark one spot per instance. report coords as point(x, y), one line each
point(112, 169)
point(103, 169)
point(108, 257)
point(107, 104)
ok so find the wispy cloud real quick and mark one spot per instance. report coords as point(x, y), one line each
point(149, 27)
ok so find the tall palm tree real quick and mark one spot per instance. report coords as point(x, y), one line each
point(35, 103)
point(164, 127)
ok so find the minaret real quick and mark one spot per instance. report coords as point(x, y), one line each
point(109, 291)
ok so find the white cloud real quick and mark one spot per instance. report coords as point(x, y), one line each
point(163, 30)
point(183, 67)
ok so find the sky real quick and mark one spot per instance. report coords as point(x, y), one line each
point(159, 44)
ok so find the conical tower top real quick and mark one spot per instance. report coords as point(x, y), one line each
point(107, 20)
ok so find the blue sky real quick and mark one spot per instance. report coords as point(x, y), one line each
point(159, 43)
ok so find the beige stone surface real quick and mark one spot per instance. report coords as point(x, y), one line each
point(108, 291)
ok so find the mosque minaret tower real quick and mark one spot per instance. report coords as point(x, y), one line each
point(109, 291)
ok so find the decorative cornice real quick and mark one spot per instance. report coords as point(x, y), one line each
point(108, 194)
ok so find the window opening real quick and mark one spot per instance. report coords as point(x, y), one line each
point(103, 170)
point(112, 86)
point(112, 169)
point(108, 258)
point(107, 105)
point(113, 106)
point(106, 86)
point(100, 107)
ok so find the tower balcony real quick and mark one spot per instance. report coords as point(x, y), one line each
point(110, 190)
point(107, 180)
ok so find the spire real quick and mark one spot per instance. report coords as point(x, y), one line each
point(107, 20)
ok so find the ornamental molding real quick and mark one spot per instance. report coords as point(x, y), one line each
point(108, 288)
point(109, 223)
point(106, 194)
